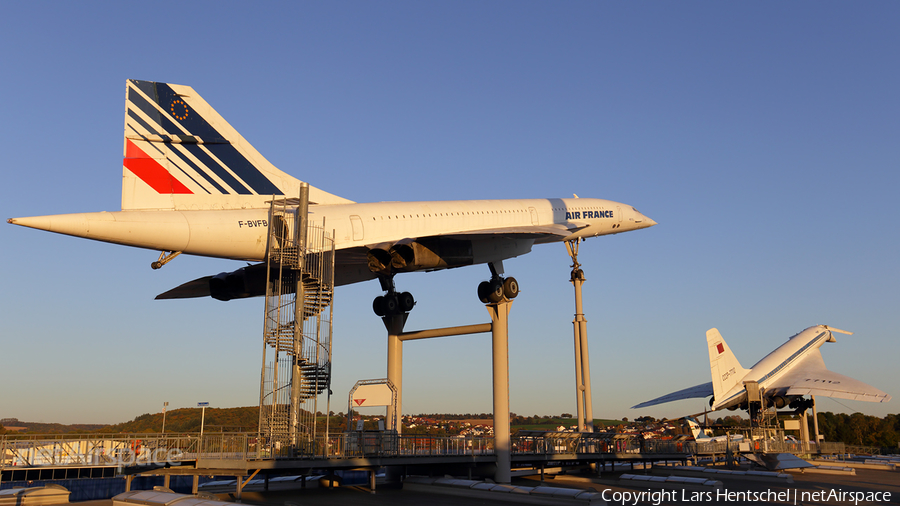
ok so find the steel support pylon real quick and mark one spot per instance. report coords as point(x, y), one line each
point(584, 408)
point(815, 422)
point(499, 328)
point(394, 325)
point(499, 312)
point(804, 431)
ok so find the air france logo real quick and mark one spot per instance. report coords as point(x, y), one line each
point(587, 215)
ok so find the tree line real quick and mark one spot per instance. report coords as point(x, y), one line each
point(859, 429)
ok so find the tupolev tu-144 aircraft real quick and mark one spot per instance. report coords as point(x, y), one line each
point(793, 370)
point(702, 437)
point(192, 184)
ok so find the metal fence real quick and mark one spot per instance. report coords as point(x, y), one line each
point(387, 444)
point(143, 449)
point(341, 446)
point(96, 450)
point(766, 446)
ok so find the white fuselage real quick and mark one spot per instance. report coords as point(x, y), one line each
point(242, 233)
point(773, 366)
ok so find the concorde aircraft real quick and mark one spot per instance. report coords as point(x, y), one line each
point(192, 184)
point(784, 376)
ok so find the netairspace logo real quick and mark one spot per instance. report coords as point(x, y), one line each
point(657, 497)
point(124, 458)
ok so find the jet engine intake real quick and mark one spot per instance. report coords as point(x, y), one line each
point(379, 260)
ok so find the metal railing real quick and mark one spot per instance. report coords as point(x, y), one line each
point(767, 446)
point(386, 444)
point(150, 449)
point(96, 450)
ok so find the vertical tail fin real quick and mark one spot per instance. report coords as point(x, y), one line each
point(698, 434)
point(724, 366)
point(181, 154)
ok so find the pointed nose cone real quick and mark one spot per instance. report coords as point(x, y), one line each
point(644, 221)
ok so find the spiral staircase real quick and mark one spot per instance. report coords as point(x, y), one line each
point(297, 333)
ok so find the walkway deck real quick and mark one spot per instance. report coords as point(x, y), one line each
point(26, 457)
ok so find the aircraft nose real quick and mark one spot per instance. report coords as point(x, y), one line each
point(645, 220)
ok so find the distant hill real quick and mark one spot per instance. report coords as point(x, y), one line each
point(188, 420)
point(51, 428)
point(177, 420)
point(246, 419)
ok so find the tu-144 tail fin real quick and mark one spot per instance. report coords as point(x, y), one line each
point(724, 367)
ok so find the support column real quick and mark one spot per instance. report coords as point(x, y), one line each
point(816, 424)
point(300, 232)
point(195, 486)
point(500, 346)
point(804, 432)
point(579, 384)
point(128, 479)
point(586, 374)
point(584, 405)
point(394, 325)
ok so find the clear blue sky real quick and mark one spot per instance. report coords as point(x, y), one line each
point(762, 137)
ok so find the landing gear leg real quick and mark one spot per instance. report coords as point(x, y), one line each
point(164, 258)
point(392, 303)
point(493, 291)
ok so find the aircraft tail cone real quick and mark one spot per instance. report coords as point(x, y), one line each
point(38, 222)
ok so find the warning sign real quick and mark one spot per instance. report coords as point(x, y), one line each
point(372, 395)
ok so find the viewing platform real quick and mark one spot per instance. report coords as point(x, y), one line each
point(33, 457)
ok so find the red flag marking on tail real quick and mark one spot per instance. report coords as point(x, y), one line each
point(720, 348)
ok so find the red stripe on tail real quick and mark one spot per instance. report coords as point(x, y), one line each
point(151, 172)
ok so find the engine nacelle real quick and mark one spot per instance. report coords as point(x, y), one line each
point(245, 282)
point(431, 253)
point(779, 401)
point(800, 404)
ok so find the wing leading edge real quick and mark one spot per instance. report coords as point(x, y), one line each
point(811, 377)
point(538, 233)
point(698, 391)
